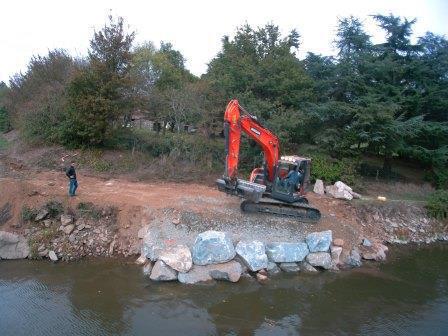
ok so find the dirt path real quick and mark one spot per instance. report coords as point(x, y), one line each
point(177, 211)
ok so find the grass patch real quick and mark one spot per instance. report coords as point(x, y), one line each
point(89, 210)
point(27, 214)
point(3, 143)
point(437, 205)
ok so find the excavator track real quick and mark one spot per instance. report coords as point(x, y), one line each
point(299, 210)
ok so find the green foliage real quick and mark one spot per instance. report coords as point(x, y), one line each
point(54, 208)
point(3, 143)
point(437, 204)
point(99, 97)
point(36, 100)
point(27, 213)
point(331, 170)
point(89, 210)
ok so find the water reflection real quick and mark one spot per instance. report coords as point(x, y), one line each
point(407, 296)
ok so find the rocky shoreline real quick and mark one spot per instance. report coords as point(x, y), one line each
point(191, 246)
point(214, 256)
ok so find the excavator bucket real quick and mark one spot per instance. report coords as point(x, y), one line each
point(245, 189)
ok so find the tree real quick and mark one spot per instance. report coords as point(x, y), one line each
point(36, 99)
point(100, 96)
point(5, 124)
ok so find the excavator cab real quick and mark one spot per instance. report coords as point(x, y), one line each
point(288, 189)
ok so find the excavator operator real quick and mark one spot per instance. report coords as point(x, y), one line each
point(294, 178)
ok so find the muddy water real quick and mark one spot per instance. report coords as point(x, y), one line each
point(408, 296)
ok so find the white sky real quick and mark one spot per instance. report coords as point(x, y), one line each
point(194, 27)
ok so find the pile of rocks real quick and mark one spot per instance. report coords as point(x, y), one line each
point(338, 190)
point(70, 238)
point(214, 256)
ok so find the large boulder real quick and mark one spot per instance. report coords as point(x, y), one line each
point(289, 267)
point(195, 275)
point(213, 247)
point(272, 268)
point(177, 257)
point(319, 259)
point(305, 266)
point(13, 246)
point(335, 254)
point(152, 246)
point(353, 259)
point(319, 241)
point(319, 187)
point(162, 272)
point(253, 254)
point(286, 252)
point(375, 251)
point(229, 271)
point(333, 191)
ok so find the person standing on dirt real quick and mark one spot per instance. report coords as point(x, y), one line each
point(71, 174)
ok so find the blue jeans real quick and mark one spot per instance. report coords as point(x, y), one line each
point(73, 185)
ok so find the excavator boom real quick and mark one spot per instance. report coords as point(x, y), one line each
point(234, 124)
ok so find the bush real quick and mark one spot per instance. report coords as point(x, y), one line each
point(27, 214)
point(437, 204)
point(331, 170)
point(54, 208)
point(5, 124)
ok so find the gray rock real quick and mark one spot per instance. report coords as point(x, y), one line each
point(286, 252)
point(335, 254)
point(147, 268)
point(152, 245)
point(253, 254)
point(142, 232)
point(41, 214)
point(230, 271)
point(366, 242)
point(195, 275)
point(66, 219)
point(68, 229)
point(375, 252)
point(13, 246)
point(162, 272)
point(305, 266)
point(341, 185)
point(319, 241)
point(353, 259)
point(319, 259)
point(52, 255)
point(333, 191)
point(319, 187)
point(273, 268)
point(289, 267)
point(177, 257)
point(212, 247)
point(142, 260)
point(47, 223)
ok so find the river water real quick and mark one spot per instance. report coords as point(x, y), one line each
point(406, 296)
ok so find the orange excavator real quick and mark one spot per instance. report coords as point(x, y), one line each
point(279, 187)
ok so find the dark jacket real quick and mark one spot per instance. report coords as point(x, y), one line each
point(71, 172)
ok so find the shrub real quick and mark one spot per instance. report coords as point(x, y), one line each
point(27, 214)
point(437, 204)
point(54, 208)
point(331, 170)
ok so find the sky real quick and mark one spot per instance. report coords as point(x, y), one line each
point(194, 27)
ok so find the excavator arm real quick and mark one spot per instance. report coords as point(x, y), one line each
point(234, 124)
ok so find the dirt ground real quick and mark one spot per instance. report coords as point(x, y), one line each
point(177, 212)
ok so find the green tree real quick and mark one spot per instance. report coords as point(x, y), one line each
point(100, 96)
